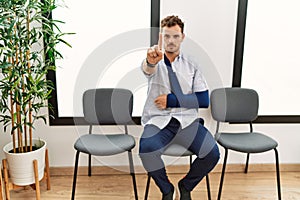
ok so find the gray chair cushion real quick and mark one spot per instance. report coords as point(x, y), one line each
point(247, 142)
point(104, 145)
point(177, 150)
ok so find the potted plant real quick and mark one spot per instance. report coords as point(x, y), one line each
point(24, 90)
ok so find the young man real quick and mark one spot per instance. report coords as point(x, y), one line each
point(171, 111)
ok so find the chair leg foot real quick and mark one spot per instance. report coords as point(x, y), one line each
point(147, 187)
point(208, 188)
point(222, 175)
point(278, 174)
point(131, 168)
point(247, 162)
point(90, 165)
point(75, 175)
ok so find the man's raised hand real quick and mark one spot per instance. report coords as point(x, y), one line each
point(154, 53)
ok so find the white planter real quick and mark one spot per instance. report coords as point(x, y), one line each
point(20, 165)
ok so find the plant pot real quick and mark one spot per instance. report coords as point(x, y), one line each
point(20, 165)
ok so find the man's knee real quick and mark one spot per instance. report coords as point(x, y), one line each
point(214, 154)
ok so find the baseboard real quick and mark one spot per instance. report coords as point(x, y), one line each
point(257, 168)
point(236, 168)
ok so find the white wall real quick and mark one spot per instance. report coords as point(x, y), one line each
point(211, 23)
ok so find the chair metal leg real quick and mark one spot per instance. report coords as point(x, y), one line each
point(223, 173)
point(147, 187)
point(247, 162)
point(208, 188)
point(278, 174)
point(90, 165)
point(131, 167)
point(75, 175)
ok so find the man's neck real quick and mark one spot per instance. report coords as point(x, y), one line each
point(171, 56)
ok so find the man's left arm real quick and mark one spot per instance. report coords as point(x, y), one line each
point(194, 100)
point(197, 99)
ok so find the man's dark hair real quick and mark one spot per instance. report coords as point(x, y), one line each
point(172, 21)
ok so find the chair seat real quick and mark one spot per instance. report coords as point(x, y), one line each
point(177, 150)
point(103, 145)
point(247, 142)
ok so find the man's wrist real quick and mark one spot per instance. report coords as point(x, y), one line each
point(149, 64)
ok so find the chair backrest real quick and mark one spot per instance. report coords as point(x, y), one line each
point(108, 106)
point(234, 104)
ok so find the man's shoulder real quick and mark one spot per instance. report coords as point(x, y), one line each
point(190, 60)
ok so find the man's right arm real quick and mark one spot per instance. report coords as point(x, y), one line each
point(154, 55)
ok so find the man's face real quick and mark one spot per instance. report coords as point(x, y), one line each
point(172, 38)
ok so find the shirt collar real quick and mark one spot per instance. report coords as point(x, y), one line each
point(180, 56)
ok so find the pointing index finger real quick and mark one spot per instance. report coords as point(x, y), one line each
point(160, 41)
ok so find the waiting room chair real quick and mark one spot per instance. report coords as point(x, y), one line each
point(106, 107)
point(177, 150)
point(240, 105)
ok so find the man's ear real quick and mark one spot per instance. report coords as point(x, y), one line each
point(183, 36)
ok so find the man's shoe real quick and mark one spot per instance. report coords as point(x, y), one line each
point(170, 195)
point(184, 193)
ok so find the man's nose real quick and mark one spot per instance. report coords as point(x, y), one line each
point(171, 39)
